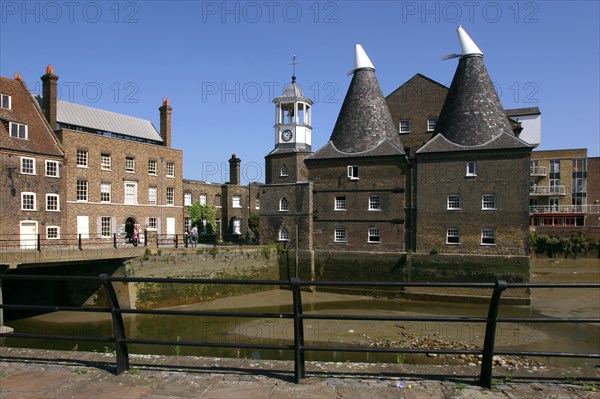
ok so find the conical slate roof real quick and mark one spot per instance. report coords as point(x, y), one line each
point(364, 125)
point(472, 114)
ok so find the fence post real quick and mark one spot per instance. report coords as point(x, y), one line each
point(39, 243)
point(145, 238)
point(487, 361)
point(79, 242)
point(299, 369)
point(115, 240)
point(176, 241)
point(186, 238)
point(118, 327)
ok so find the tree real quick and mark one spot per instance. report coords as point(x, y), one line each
point(198, 213)
point(253, 221)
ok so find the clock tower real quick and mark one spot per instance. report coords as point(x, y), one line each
point(293, 136)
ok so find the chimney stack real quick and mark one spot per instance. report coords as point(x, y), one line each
point(165, 122)
point(49, 83)
point(234, 170)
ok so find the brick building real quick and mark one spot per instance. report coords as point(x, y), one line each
point(120, 172)
point(32, 194)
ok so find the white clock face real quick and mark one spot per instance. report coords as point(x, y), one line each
point(286, 135)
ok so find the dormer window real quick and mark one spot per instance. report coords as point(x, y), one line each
point(283, 172)
point(353, 172)
point(431, 122)
point(5, 101)
point(404, 126)
point(17, 130)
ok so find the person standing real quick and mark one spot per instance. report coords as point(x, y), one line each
point(194, 236)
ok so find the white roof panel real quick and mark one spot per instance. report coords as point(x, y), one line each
point(94, 118)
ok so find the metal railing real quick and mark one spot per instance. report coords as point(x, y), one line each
point(298, 346)
point(547, 190)
point(564, 209)
point(537, 171)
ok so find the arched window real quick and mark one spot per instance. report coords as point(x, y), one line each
point(283, 204)
point(284, 235)
point(284, 171)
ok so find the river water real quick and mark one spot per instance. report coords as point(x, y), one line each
point(522, 336)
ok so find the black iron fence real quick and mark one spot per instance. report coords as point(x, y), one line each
point(298, 347)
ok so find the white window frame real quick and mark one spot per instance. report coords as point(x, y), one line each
point(153, 223)
point(339, 234)
point(283, 172)
point(353, 172)
point(170, 196)
point(488, 235)
point(284, 205)
point(374, 235)
point(5, 99)
point(152, 167)
point(203, 198)
point(130, 198)
point(339, 203)
point(129, 164)
point(284, 234)
point(57, 199)
point(257, 203)
point(30, 170)
point(486, 202)
point(187, 199)
point(170, 172)
point(103, 190)
point(152, 195)
point(453, 232)
point(375, 202)
point(33, 198)
point(82, 191)
point(18, 130)
point(453, 202)
point(406, 128)
point(105, 162)
point(236, 201)
point(49, 169)
point(81, 159)
point(105, 226)
point(218, 200)
point(48, 228)
point(237, 226)
point(431, 122)
point(471, 169)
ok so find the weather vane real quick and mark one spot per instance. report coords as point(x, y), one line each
point(294, 62)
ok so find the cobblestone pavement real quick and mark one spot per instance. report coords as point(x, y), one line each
point(27, 373)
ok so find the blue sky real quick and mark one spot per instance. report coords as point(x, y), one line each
point(221, 63)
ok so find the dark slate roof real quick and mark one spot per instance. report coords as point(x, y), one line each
point(293, 92)
point(502, 141)
point(472, 114)
point(24, 109)
point(364, 126)
point(523, 111)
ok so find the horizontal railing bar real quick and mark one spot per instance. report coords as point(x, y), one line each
point(54, 308)
point(206, 313)
point(57, 337)
point(204, 344)
point(196, 281)
point(547, 354)
point(546, 320)
point(392, 318)
point(391, 350)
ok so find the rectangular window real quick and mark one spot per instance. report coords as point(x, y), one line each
point(130, 192)
point(52, 169)
point(453, 202)
point(237, 226)
point(82, 159)
point(170, 169)
point(130, 164)
point(339, 234)
point(353, 172)
point(431, 122)
point(18, 130)
point(236, 201)
point(28, 166)
point(152, 195)
point(28, 201)
point(170, 196)
point(52, 202)
point(82, 190)
point(105, 189)
point(152, 224)
point(105, 161)
point(152, 167)
point(257, 203)
point(488, 237)
point(374, 235)
point(405, 126)
point(105, 226)
point(340, 203)
point(488, 201)
point(202, 199)
point(187, 223)
point(374, 203)
point(453, 236)
point(5, 101)
point(471, 170)
point(218, 201)
point(187, 199)
point(52, 232)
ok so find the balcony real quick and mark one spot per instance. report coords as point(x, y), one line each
point(539, 171)
point(533, 209)
point(537, 191)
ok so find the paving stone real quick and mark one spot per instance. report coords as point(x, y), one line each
point(372, 392)
point(108, 390)
point(231, 390)
point(293, 391)
point(34, 381)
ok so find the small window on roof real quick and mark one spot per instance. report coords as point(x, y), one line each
point(5, 101)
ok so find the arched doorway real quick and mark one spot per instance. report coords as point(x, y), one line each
point(129, 226)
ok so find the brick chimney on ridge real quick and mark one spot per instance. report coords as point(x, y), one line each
point(234, 170)
point(49, 83)
point(165, 122)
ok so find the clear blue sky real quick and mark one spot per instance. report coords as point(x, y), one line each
point(221, 63)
